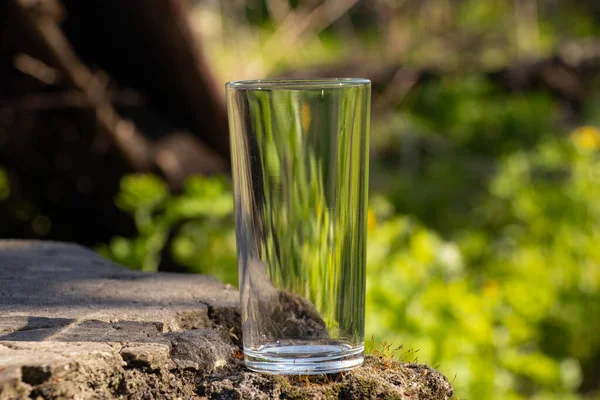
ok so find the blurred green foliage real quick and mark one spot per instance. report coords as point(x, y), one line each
point(244, 39)
point(513, 310)
point(490, 268)
point(447, 137)
point(193, 228)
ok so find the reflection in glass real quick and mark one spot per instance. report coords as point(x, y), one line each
point(300, 166)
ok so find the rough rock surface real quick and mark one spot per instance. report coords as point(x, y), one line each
point(73, 325)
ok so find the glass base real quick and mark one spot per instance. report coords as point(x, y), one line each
point(311, 358)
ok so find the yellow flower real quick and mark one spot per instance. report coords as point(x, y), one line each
point(490, 288)
point(371, 220)
point(586, 138)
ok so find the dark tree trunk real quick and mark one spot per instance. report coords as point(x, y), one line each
point(90, 91)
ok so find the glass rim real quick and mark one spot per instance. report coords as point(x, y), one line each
point(297, 84)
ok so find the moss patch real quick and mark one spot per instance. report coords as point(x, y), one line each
point(377, 378)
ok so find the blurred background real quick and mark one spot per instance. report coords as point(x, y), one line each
point(484, 215)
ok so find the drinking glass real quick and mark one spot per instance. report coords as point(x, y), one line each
point(300, 151)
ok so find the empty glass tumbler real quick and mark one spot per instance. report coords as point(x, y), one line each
point(300, 151)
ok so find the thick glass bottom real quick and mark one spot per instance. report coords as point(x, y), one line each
point(304, 358)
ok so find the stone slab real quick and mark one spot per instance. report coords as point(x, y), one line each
point(76, 326)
